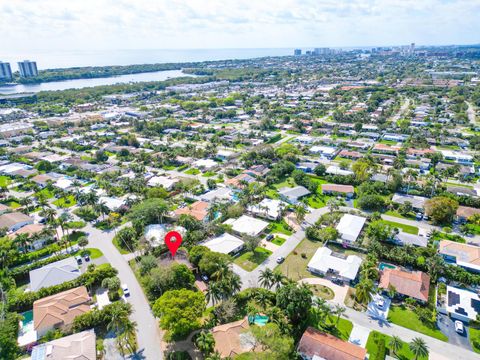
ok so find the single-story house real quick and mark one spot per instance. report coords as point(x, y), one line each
point(221, 193)
point(14, 220)
point(59, 310)
point(30, 230)
point(247, 225)
point(268, 208)
point(413, 284)
point(317, 345)
point(324, 261)
point(464, 255)
point(55, 273)
point(225, 244)
point(403, 238)
point(233, 338)
point(462, 304)
point(207, 164)
point(164, 181)
point(199, 210)
point(350, 227)
point(347, 190)
point(111, 202)
point(155, 233)
point(325, 151)
point(465, 212)
point(335, 170)
point(293, 195)
point(417, 202)
point(81, 345)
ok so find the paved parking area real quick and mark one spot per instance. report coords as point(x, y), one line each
point(447, 326)
point(102, 298)
point(375, 312)
point(359, 335)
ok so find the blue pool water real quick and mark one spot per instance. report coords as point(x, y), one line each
point(27, 322)
point(259, 320)
point(383, 266)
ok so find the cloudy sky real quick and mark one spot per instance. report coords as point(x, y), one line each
point(188, 24)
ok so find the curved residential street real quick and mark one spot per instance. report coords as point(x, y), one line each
point(149, 336)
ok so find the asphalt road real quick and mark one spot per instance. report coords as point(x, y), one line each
point(149, 336)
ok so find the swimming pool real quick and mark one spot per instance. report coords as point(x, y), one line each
point(259, 320)
point(383, 266)
point(27, 334)
point(27, 322)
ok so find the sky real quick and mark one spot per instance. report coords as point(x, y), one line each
point(52, 25)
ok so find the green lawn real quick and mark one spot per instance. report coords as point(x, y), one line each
point(372, 347)
point(119, 248)
point(475, 339)
point(4, 181)
point(458, 185)
point(92, 252)
point(341, 331)
point(209, 174)
point(12, 204)
point(278, 240)
point(402, 316)
point(250, 260)
point(67, 202)
point(192, 171)
point(409, 216)
point(405, 228)
point(280, 227)
point(295, 265)
point(289, 182)
point(47, 194)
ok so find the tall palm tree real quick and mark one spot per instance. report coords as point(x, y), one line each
point(339, 311)
point(23, 240)
point(128, 335)
point(266, 278)
point(118, 319)
point(102, 209)
point(26, 202)
point(214, 292)
point(363, 291)
point(300, 212)
point(262, 299)
point(395, 344)
point(277, 279)
point(419, 348)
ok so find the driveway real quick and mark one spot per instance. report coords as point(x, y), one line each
point(447, 326)
point(102, 298)
point(359, 335)
point(375, 312)
point(340, 291)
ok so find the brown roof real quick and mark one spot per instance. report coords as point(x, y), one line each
point(462, 252)
point(414, 284)
point(326, 346)
point(347, 153)
point(29, 229)
point(466, 212)
point(227, 338)
point(198, 210)
point(41, 178)
point(338, 188)
point(60, 309)
point(13, 218)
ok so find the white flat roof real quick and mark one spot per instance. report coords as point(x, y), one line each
point(461, 301)
point(225, 243)
point(270, 207)
point(323, 260)
point(350, 226)
point(247, 225)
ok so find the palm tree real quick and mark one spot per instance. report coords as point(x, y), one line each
point(214, 292)
point(278, 278)
point(23, 240)
point(128, 335)
point(300, 212)
point(118, 319)
point(205, 342)
point(26, 202)
point(102, 209)
point(395, 344)
point(266, 278)
point(419, 348)
point(262, 299)
point(363, 291)
point(339, 311)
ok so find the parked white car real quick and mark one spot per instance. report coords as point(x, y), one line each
point(459, 328)
point(125, 290)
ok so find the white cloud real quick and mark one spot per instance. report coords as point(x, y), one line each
point(120, 24)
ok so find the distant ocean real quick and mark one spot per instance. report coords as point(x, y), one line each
point(66, 59)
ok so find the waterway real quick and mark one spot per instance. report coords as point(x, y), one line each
point(83, 83)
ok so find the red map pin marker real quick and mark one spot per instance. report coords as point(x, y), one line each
point(173, 240)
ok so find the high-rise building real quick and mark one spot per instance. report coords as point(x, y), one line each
point(322, 51)
point(297, 52)
point(5, 71)
point(28, 68)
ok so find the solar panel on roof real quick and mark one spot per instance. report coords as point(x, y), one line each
point(476, 305)
point(453, 298)
point(461, 311)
